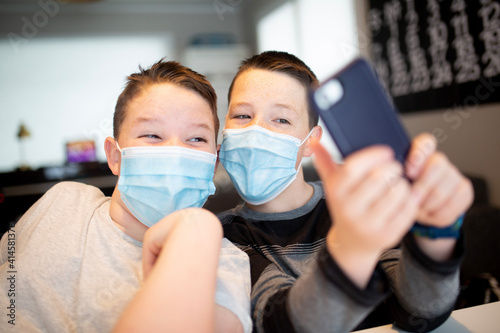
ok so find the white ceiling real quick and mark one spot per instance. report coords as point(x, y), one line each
point(119, 2)
point(152, 6)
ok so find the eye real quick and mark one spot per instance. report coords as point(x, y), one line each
point(241, 116)
point(282, 121)
point(198, 139)
point(150, 136)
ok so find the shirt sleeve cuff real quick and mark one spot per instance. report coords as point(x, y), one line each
point(444, 268)
point(376, 290)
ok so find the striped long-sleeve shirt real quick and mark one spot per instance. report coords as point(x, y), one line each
point(298, 287)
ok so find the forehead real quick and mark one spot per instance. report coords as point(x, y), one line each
point(266, 88)
point(167, 101)
point(270, 85)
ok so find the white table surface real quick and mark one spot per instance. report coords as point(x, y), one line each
point(478, 319)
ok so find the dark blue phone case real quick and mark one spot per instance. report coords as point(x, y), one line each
point(364, 115)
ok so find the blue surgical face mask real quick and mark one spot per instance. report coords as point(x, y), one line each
point(260, 163)
point(156, 181)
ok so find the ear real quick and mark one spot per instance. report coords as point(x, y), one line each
point(317, 133)
point(113, 155)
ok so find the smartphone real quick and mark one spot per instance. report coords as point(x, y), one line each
point(358, 112)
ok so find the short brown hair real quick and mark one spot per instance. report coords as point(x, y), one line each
point(286, 63)
point(164, 72)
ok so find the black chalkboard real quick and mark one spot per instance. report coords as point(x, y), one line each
point(433, 54)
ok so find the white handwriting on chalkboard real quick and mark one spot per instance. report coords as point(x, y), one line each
point(380, 65)
point(490, 12)
point(466, 63)
point(399, 77)
point(438, 33)
point(375, 23)
point(420, 77)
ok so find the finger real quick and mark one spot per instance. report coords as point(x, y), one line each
point(453, 208)
point(434, 170)
point(357, 165)
point(422, 147)
point(390, 202)
point(150, 253)
point(403, 219)
point(323, 162)
point(443, 191)
point(376, 184)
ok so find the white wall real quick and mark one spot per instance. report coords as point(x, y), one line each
point(470, 138)
point(50, 90)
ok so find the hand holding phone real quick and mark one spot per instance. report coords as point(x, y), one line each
point(371, 213)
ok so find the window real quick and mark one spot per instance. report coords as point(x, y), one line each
point(323, 33)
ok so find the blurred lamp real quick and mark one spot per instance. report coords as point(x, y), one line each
point(22, 134)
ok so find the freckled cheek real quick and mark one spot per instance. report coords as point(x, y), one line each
point(230, 124)
point(299, 156)
point(230, 120)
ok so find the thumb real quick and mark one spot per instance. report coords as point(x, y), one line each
point(323, 162)
point(154, 240)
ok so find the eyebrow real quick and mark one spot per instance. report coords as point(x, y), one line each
point(278, 105)
point(145, 120)
point(201, 125)
point(239, 104)
point(286, 107)
point(141, 120)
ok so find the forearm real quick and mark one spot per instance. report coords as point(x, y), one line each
point(425, 289)
point(174, 298)
point(323, 299)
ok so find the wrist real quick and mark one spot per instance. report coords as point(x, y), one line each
point(453, 231)
point(439, 249)
point(357, 265)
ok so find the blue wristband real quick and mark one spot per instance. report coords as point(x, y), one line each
point(453, 231)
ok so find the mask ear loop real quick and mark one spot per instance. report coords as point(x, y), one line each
point(307, 137)
point(302, 158)
point(118, 146)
